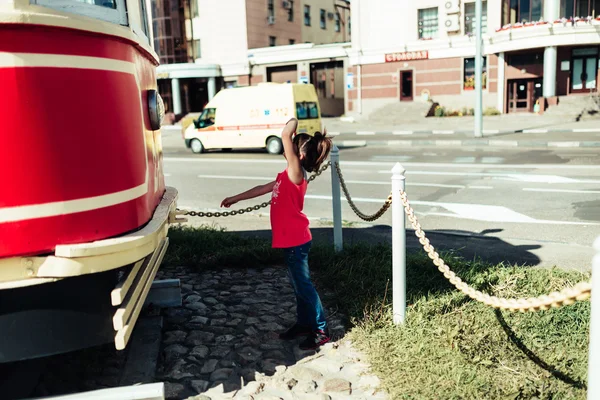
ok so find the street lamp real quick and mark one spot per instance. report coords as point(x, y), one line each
point(478, 72)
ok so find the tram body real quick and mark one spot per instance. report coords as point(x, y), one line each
point(84, 211)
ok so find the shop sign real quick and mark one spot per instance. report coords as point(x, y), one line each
point(407, 56)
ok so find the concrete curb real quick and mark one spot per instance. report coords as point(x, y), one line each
point(471, 143)
point(460, 132)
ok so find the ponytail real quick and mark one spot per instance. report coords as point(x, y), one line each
point(315, 149)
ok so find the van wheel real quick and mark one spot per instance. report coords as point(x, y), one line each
point(274, 145)
point(196, 146)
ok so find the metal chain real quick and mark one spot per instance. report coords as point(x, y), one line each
point(567, 296)
point(365, 217)
point(257, 207)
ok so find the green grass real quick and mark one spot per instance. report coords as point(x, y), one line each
point(450, 346)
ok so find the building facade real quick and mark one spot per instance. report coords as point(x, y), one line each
point(246, 42)
point(534, 51)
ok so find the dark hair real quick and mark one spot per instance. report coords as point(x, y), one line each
point(315, 149)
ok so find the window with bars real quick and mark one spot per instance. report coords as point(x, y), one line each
point(428, 23)
point(470, 18)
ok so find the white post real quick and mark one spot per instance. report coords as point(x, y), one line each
point(501, 81)
point(478, 72)
point(211, 88)
point(593, 386)
point(338, 242)
point(176, 93)
point(398, 246)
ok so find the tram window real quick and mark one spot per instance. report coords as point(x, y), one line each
point(106, 10)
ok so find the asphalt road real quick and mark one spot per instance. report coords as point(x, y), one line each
point(547, 196)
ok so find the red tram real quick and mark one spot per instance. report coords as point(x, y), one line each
point(84, 211)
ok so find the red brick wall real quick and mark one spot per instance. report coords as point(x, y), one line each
point(243, 80)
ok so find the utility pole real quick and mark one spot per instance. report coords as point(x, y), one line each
point(478, 72)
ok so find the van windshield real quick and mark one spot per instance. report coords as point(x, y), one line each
point(207, 118)
point(307, 110)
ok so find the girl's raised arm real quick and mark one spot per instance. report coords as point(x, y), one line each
point(291, 153)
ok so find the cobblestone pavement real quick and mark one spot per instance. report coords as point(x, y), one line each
point(223, 343)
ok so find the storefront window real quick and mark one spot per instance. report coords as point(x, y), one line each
point(469, 74)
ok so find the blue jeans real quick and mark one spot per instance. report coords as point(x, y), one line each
point(308, 304)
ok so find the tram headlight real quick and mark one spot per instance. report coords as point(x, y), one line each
point(156, 109)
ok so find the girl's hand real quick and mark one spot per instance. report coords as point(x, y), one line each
point(228, 202)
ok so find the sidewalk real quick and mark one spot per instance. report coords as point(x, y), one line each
point(528, 131)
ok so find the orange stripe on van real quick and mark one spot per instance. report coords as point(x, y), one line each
point(249, 127)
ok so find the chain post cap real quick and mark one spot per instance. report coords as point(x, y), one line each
point(398, 169)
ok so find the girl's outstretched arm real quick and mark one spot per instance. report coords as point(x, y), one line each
point(295, 172)
point(249, 194)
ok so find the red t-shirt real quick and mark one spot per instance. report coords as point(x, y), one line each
point(289, 225)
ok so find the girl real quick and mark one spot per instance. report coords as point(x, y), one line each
point(290, 230)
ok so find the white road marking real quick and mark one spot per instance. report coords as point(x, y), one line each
point(201, 159)
point(586, 130)
point(509, 177)
point(442, 132)
point(262, 178)
point(238, 178)
point(535, 130)
point(491, 131)
point(333, 133)
point(365, 133)
point(561, 191)
point(402, 132)
point(478, 212)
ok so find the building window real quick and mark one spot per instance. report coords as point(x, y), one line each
point(292, 41)
point(579, 8)
point(428, 23)
point(323, 19)
point(290, 4)
point(106, 10)
point(515, 11)
point(469, 74)
point(270, 8)
point(471, 18)
point(194, 8)
point(272, 41)
point(307, 15)
point(338, 23)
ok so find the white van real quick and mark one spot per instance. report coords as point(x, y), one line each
point(253, 117)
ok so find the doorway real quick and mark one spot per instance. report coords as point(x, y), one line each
point(585, 68)
point(523, 93)
point(406, 86)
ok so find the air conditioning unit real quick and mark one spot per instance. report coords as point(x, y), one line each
point(452, 6)
point(287, 5)
point(271, 19)
point(452, 23)
point(330, 15)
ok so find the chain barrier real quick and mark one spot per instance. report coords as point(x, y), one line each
point(370, 218)
point(218, 214)
point(567, 296)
